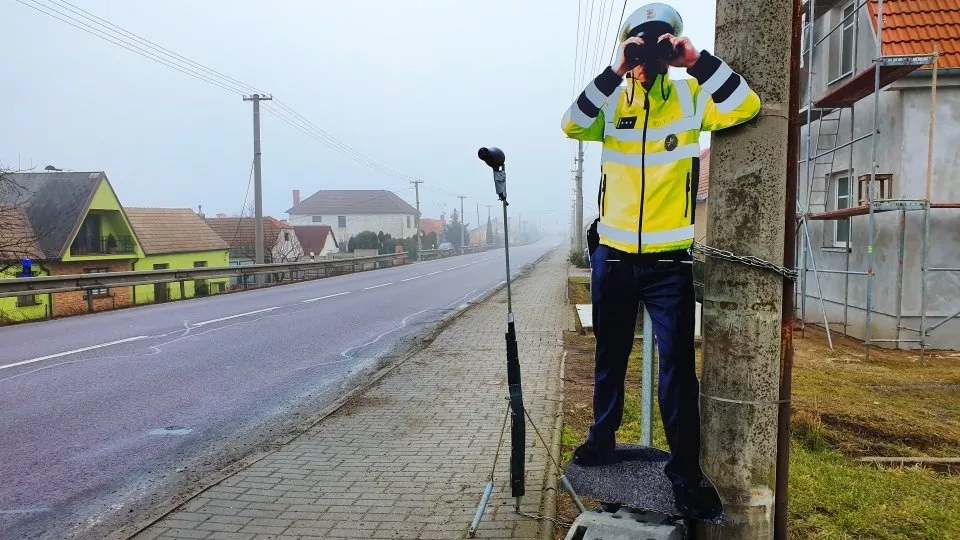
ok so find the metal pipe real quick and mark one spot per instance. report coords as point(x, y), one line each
point(943, 269)
point(840, 147)
point(867, 330)
point(573, 494)
point(841, 23)
point(847, 272)
point(506, 250)
point(923, 282)
point(646, 387)
point(941, 323)
point(903, 232)
point(926, 207)
point(788, 312)
point(816, 275)
point(850, 223)
point(480, 509)
point(809, 169)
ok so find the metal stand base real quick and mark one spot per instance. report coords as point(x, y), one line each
point(626, 524)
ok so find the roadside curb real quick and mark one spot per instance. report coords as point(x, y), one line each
point(551, 493)
point(425, 336)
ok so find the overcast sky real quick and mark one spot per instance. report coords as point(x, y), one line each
point(417, 86)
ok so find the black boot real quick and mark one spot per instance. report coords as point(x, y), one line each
point(587, 455)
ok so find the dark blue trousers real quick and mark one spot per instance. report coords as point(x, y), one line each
point(663, 282)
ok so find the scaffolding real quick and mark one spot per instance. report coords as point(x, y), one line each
point(828, 111)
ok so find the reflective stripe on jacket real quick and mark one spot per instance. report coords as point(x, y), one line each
point(651, 149)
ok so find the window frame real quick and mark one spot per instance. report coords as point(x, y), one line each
point(23, 302)
point(316, 219)
point(847, 179)
point(842, 50)
point(342, 222)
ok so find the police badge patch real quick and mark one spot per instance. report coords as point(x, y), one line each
point(671, 143)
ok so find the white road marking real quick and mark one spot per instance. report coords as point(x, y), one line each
point(377, 286)
point(412, 278)
point(434, 273)
point(202, 323)
point(74, 351)
point(324, 297)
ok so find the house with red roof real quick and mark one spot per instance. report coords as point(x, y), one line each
point(845, 126)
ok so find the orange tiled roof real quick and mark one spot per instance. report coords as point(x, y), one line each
point(704, 184)
point(914, 26)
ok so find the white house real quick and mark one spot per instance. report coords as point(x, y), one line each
point(316, 241)
point(842, 118)
point(280, 242)
point(351, 211)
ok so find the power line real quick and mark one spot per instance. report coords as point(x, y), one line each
point(80, 25)
point(244, 207)
point(101, 28)
point(159, 48)
point(601, 36)
point(576, 52)
point(623, 12)
point(586, 49)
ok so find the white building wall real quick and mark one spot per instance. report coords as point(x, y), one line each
point(287, 249)
point(902, 151)
point(396, 225)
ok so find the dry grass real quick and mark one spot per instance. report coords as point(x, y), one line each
point(843, 407)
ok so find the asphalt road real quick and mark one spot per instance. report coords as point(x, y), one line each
point(104, 415)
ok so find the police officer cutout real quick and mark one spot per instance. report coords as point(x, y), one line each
point(640, 245)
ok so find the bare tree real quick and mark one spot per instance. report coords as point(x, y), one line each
point(18, 240)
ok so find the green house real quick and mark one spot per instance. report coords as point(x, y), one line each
point(176, 238)
point(66, 223)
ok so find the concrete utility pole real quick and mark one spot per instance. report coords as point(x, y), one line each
point(742, 304)
point(416, 187)
point(257, 185)
point(578, 205)
point(462, 226)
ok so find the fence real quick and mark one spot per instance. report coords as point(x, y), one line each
point(433, 254)
point(278, 272)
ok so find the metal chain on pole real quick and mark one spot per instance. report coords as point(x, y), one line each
point(748, 260)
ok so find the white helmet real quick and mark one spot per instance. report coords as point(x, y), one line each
point(652, 13)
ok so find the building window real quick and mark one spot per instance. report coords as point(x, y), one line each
point(848, 15)
point(842, 230)
point(408, 222)
point(286, 236)
point(27, 300)
point(97, 292)
point(341, 221)
point(317, 219)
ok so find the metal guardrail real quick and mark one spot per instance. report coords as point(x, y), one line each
point(433, 254)
point(84, 282)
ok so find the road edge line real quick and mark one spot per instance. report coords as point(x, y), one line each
point(127, 532)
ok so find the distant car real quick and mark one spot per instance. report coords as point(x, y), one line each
point(446, 246)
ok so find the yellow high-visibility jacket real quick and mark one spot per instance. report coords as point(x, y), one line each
point(651, 148)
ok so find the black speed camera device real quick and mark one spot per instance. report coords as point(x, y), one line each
point(495, 159)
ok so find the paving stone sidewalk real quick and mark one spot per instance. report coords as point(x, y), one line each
point(409, 457)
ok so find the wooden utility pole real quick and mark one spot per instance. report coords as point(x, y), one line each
point(257, 184)
point(742, 305)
